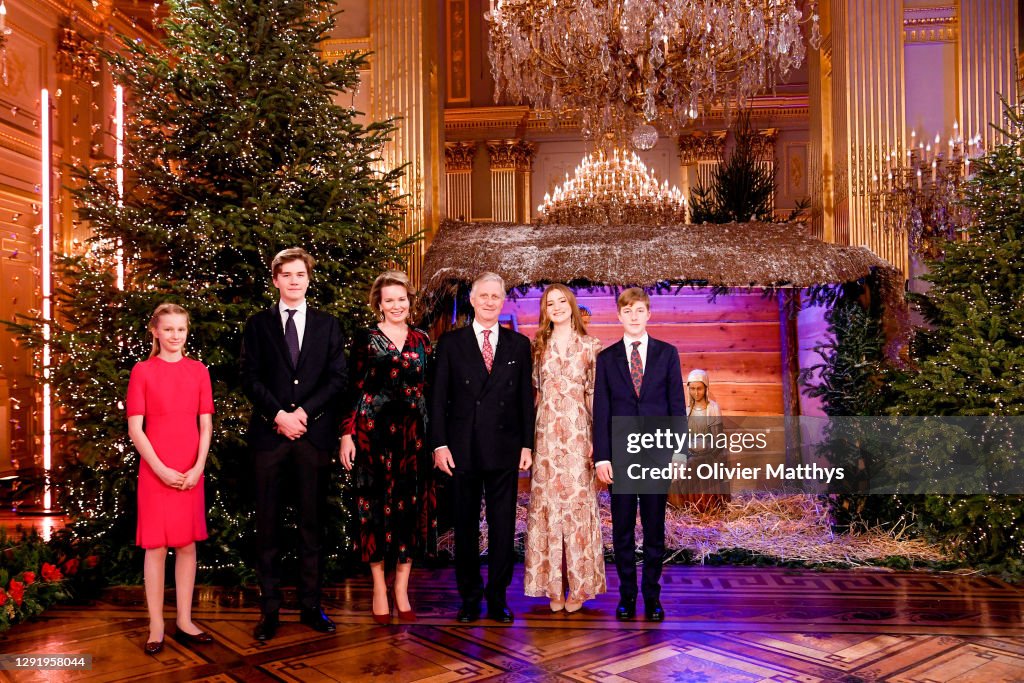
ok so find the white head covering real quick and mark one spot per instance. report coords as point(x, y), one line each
point(698, 375)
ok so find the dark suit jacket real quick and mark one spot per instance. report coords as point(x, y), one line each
point(272, 383)
point(661, 393)
point(484, 419)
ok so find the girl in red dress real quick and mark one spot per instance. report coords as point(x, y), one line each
point(170, 421)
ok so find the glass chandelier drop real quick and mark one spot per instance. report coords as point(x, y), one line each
point(622, 64)
point(613, 189)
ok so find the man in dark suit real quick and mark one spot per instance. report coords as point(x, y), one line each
point(293, 371)
point(481, 430)
point(637, 376)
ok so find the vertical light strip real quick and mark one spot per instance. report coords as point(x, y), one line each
point(47, 242)
point(119, 152)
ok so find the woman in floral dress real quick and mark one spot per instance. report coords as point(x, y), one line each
point(383, 444)
point(564, 552)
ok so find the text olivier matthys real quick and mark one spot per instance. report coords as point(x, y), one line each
point(734, 442)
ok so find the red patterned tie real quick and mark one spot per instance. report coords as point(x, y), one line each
point(636, 368)
point(488, 351)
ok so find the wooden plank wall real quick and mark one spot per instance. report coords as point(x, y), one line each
point(736, 339)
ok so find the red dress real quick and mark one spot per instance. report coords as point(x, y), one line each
point(171, 397)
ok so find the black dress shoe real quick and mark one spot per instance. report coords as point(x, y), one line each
point(654, 611)
point(201, 638)
point(155, 647)
point(501, 614)
point(315, 618)
point(626, 609)
point(468, 613)
point(266, 627)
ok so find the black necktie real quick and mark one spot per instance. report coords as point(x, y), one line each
point(291, 336)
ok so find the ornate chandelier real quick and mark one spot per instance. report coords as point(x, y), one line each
point(613, 189)
point(921, 193)
point(624, 64)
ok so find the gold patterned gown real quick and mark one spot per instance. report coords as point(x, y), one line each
point(563, 498)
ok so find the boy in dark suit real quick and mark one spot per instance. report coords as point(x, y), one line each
point(481, 431)
point(637, 376)
point(293, 371)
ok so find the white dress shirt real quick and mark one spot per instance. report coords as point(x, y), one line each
point(299, 318)
point(478, 330)
point(644, 343)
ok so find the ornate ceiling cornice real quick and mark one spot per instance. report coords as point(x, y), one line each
point(476, 118)
point(930, 24)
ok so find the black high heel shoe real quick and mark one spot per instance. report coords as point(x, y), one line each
point(201, 638)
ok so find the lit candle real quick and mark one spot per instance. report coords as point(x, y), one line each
point(3, 17)
point(934, 170)
point(967, 166)
point(919, 179)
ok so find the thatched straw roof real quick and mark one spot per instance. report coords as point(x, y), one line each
point(731, 255)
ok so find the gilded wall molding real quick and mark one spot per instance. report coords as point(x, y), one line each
point(458, 156)
point(22, 144)
point(457, 50)
point(76, 56)
point(337, 48)
point(511, 155)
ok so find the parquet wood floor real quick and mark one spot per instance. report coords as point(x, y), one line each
point(730, 624)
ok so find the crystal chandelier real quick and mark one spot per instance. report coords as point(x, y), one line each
point(613, 188)
point(920, 193)
point(623, 64)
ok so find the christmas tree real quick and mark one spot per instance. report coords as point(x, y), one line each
point(970, 358)
point(742, 188)
point(235, 148)
point(854, 379)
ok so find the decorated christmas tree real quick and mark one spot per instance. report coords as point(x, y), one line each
point(970, 358)
point(236, 147)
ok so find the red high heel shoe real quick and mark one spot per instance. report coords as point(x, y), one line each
point(407, 616)
point(383, 619)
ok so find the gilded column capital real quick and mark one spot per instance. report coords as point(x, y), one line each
point(764, 144)
point(458, 156)
point(76, 56)
point(701, 146)
point(511, 155)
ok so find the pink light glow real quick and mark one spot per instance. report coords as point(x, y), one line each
point(119, 140)
point(47, 244)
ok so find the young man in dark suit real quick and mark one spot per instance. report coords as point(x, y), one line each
point(481, 430)
point(293, 371)
point(637, 376)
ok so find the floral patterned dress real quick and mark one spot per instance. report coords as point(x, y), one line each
point(387, 418)
point(563, 499)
